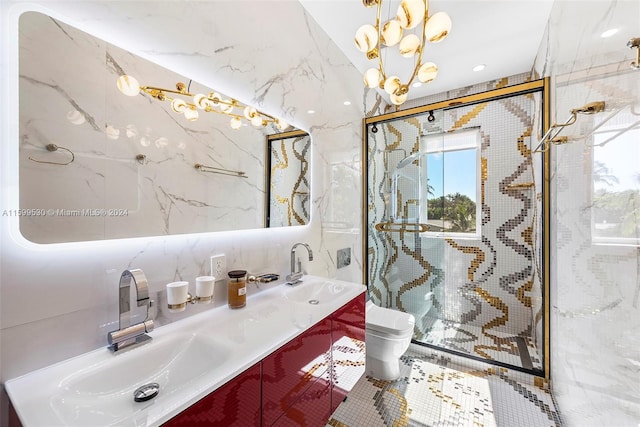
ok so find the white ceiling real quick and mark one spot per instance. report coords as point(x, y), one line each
point(503, 35)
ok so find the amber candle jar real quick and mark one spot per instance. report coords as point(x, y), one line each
point(237, 289)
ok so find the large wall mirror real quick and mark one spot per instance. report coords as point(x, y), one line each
point(98, 164)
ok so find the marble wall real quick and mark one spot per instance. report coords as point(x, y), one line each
point(60, 300)
point(595, 281)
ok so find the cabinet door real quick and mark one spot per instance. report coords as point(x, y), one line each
point(348, 348)
point(313, 409)
point(14, 421)
point(237, 403)
point(291, 370)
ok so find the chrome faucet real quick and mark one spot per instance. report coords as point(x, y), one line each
point(129, 335)
point(295, 276)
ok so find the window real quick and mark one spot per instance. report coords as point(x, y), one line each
point(438, 186)
point(452, 190)
point(615, 208)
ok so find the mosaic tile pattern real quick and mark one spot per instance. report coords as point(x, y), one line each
point(348, 362)
point(435, 390)
point(487, 289)
point(289, 190)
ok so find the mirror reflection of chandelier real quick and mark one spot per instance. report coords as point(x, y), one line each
point(210, 103)
point(409, 29)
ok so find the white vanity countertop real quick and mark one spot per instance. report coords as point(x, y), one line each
point(189, 358)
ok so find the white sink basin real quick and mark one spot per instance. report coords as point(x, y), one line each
point(315, 292)
point(102, 394)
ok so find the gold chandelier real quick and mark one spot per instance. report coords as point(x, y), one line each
point(188, 104)
point(395, 31)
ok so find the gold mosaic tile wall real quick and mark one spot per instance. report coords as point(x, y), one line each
point(487, 285)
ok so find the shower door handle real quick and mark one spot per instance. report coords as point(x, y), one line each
point(391, 227)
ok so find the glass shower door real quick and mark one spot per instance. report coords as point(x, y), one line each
point(404, 270)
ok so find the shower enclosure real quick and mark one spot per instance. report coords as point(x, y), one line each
point(455, 230)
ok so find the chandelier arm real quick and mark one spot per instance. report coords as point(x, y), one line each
point(380, 62)
point(160, 89)
point(422, 45)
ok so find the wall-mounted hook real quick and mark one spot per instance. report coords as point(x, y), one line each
point(54, 147)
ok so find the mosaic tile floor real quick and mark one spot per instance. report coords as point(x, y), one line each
point(470, 339)
point(435, 389)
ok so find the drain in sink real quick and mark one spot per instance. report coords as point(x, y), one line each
point(146, 392)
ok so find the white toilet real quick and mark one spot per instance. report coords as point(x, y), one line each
point(388, 335)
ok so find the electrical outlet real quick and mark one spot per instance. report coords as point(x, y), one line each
point(218, 266)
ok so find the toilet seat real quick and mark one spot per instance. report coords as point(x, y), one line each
point(388, 321)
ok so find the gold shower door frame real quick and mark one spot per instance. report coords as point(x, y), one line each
point(542, 86)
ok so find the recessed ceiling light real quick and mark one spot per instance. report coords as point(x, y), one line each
point(417, 84)
point(479, 67)
point(609, 33)
point(347, 102)
point(310, 111)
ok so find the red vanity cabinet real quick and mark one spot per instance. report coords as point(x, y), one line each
point(312, 409)
point(299, 384)
point(347, 337)
point(237, 403)
point(294, 369)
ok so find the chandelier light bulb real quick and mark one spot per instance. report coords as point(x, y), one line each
point(427, 72)
point(235, 123)
point(366, 38)
point(409, 46)
point(438, 27)
point(191, 114)
point(411, 13)
point(214, 99)
point(391, 33)
point(398, 99)
point(249, 112)
point(128, 85)
point(392, 84)
point(178, 105)
point(372, 78)
point(201, 101)
point(256, 120)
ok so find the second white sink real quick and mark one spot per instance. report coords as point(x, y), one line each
point(315, 292)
